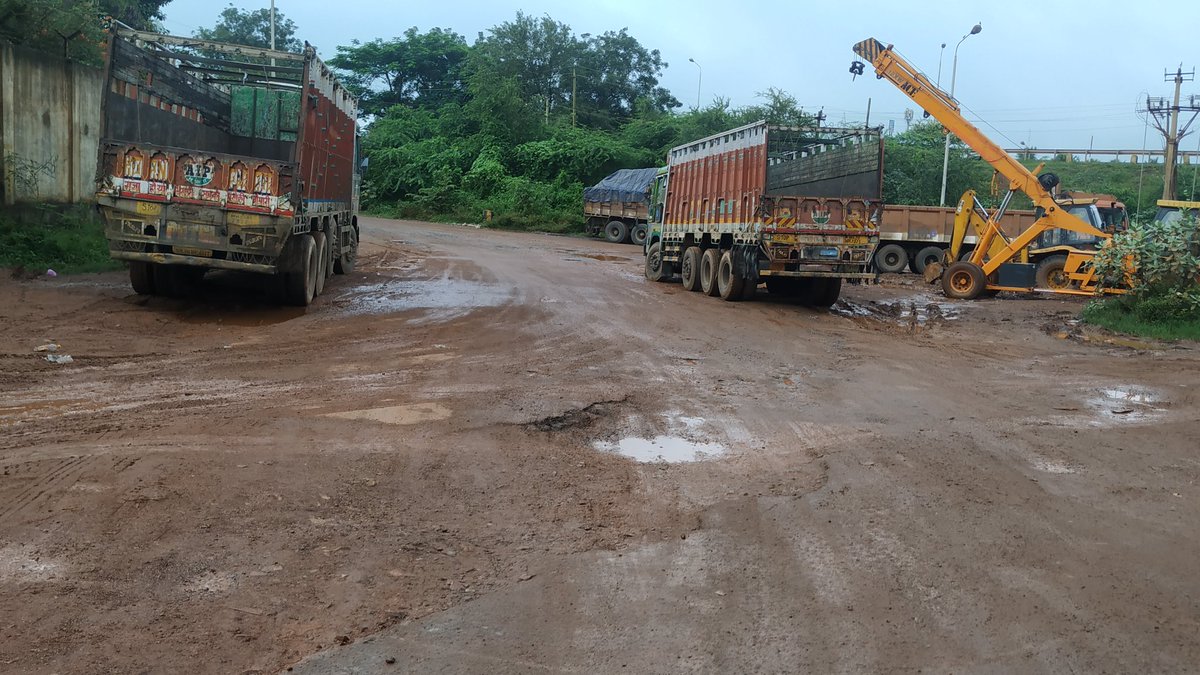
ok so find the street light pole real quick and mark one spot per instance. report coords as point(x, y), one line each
point(953, 80)
point(699, 79)
point(941, 55)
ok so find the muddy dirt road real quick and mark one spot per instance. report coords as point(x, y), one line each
point(495, 452)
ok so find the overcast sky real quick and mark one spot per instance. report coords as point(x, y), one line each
point(1053, 73)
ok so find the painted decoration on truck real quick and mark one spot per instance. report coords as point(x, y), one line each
point(134, 164)
point(198, 171)
point(264, 180)
point(160, 168)
point(239, 177)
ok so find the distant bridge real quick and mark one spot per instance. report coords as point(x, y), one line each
point(1135, 156)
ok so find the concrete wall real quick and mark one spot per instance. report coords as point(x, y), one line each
point(49, 127)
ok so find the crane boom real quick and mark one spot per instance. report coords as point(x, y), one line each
point(908, 79)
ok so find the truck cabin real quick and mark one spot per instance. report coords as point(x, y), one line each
point(1172, 211)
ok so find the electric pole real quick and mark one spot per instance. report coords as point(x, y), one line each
point(1166, 120)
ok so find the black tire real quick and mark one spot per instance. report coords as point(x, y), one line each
point(780, 286)
point(638, 234)
point(710, 261)
point(300, 274)
point(689, 268)
point(927, 255)
point(344, 263)
point(730, 285)
point(891, 258)
point(964, 281)
point(616, 231)
point(965, 252)
point(321, 244)
point(657, 269)
point(174, 281)
point(824, 292)
point(1051, 273)
point(141, 277)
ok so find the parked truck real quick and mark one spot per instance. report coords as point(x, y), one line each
point(795, 207)
point(221, 156)
point(618, 206)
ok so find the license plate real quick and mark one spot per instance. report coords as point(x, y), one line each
point(852, 241)
point(187, 250)
point(244, 219)
point(149, 208)
point(827, 252)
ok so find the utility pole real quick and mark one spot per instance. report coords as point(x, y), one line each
point(1166, 120)
point(574, 88)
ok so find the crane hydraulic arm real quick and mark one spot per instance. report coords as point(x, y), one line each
point(984, 271)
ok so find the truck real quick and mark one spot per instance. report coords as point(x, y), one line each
point(916, 236)
point(619, 205)
point(794, 208)
point(216, 156)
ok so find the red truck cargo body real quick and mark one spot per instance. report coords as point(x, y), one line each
point(809, 197)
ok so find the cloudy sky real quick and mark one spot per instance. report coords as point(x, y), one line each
point(1052, 73)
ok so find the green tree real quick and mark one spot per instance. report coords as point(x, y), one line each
point(418, 69)
point(72, 28)
point(253, 29)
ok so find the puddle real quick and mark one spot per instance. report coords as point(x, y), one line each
point(412, 413)
point(1125, 404)
point(608, 258)
point(919, 309)
point(450, 298)
point(662, 449)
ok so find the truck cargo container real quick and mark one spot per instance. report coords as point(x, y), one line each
point(221, 156)
point(618, 206)
point(795, 207)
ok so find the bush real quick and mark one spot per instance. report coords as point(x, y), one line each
point(65, 239)
point(1160, 261)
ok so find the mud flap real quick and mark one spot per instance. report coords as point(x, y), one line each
point(745, 262)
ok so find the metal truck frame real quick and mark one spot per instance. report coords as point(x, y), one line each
point(220, 156)
point(795, 207)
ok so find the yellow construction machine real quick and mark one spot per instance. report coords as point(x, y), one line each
point(998, 262)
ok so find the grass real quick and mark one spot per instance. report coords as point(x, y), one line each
point(68, 240)
point(1120, 315)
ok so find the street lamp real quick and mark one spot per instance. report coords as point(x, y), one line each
point(699, 79)
point(953, 79)
point(941, 55)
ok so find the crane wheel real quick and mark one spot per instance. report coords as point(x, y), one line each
point(964, 280)
point(689, 268)
point(709, 262)
point(1052, 273)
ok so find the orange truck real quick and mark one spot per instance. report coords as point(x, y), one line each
point(216, 156)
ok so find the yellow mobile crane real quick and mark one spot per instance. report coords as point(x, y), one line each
point(990, 269)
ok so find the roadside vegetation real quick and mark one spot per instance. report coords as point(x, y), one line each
point(63, 239)
point(1165, 299)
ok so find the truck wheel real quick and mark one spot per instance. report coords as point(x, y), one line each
point(321, 244)
point(174, 281)
point(141, 277)
point(689, 268)
point(927, 255)
point(657, 269)
point(824, 292)
point(1052, 273)
point(710, 260)
point(638, 234)
point(300, 275)
point(615, 231)
point(779, 286)
point(729, 285)
point(344, 264)
point(964, 280)
point(891, 258)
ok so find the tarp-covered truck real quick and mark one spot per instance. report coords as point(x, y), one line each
point(220, 156)
point(795, 207)
point(618, 206)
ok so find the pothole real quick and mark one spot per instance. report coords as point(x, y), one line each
point(410, 413)
point(914, 310)
point(576, 417)
point(662, 449)
point(1125, 404)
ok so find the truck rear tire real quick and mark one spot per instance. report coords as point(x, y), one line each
point(927, 255)
point(964, 280)
point(300, 274)
point(824, 292)
point(689, 268)
point(344, 264)
point(729, 285)
point(891, 258)
point(657, 269)
point(616, 231)
point(322, 251)
point(141, 277)
point(710, 261)
point(1051, 273)
point(638, 234)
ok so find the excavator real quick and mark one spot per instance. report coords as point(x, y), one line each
point(998, 262)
